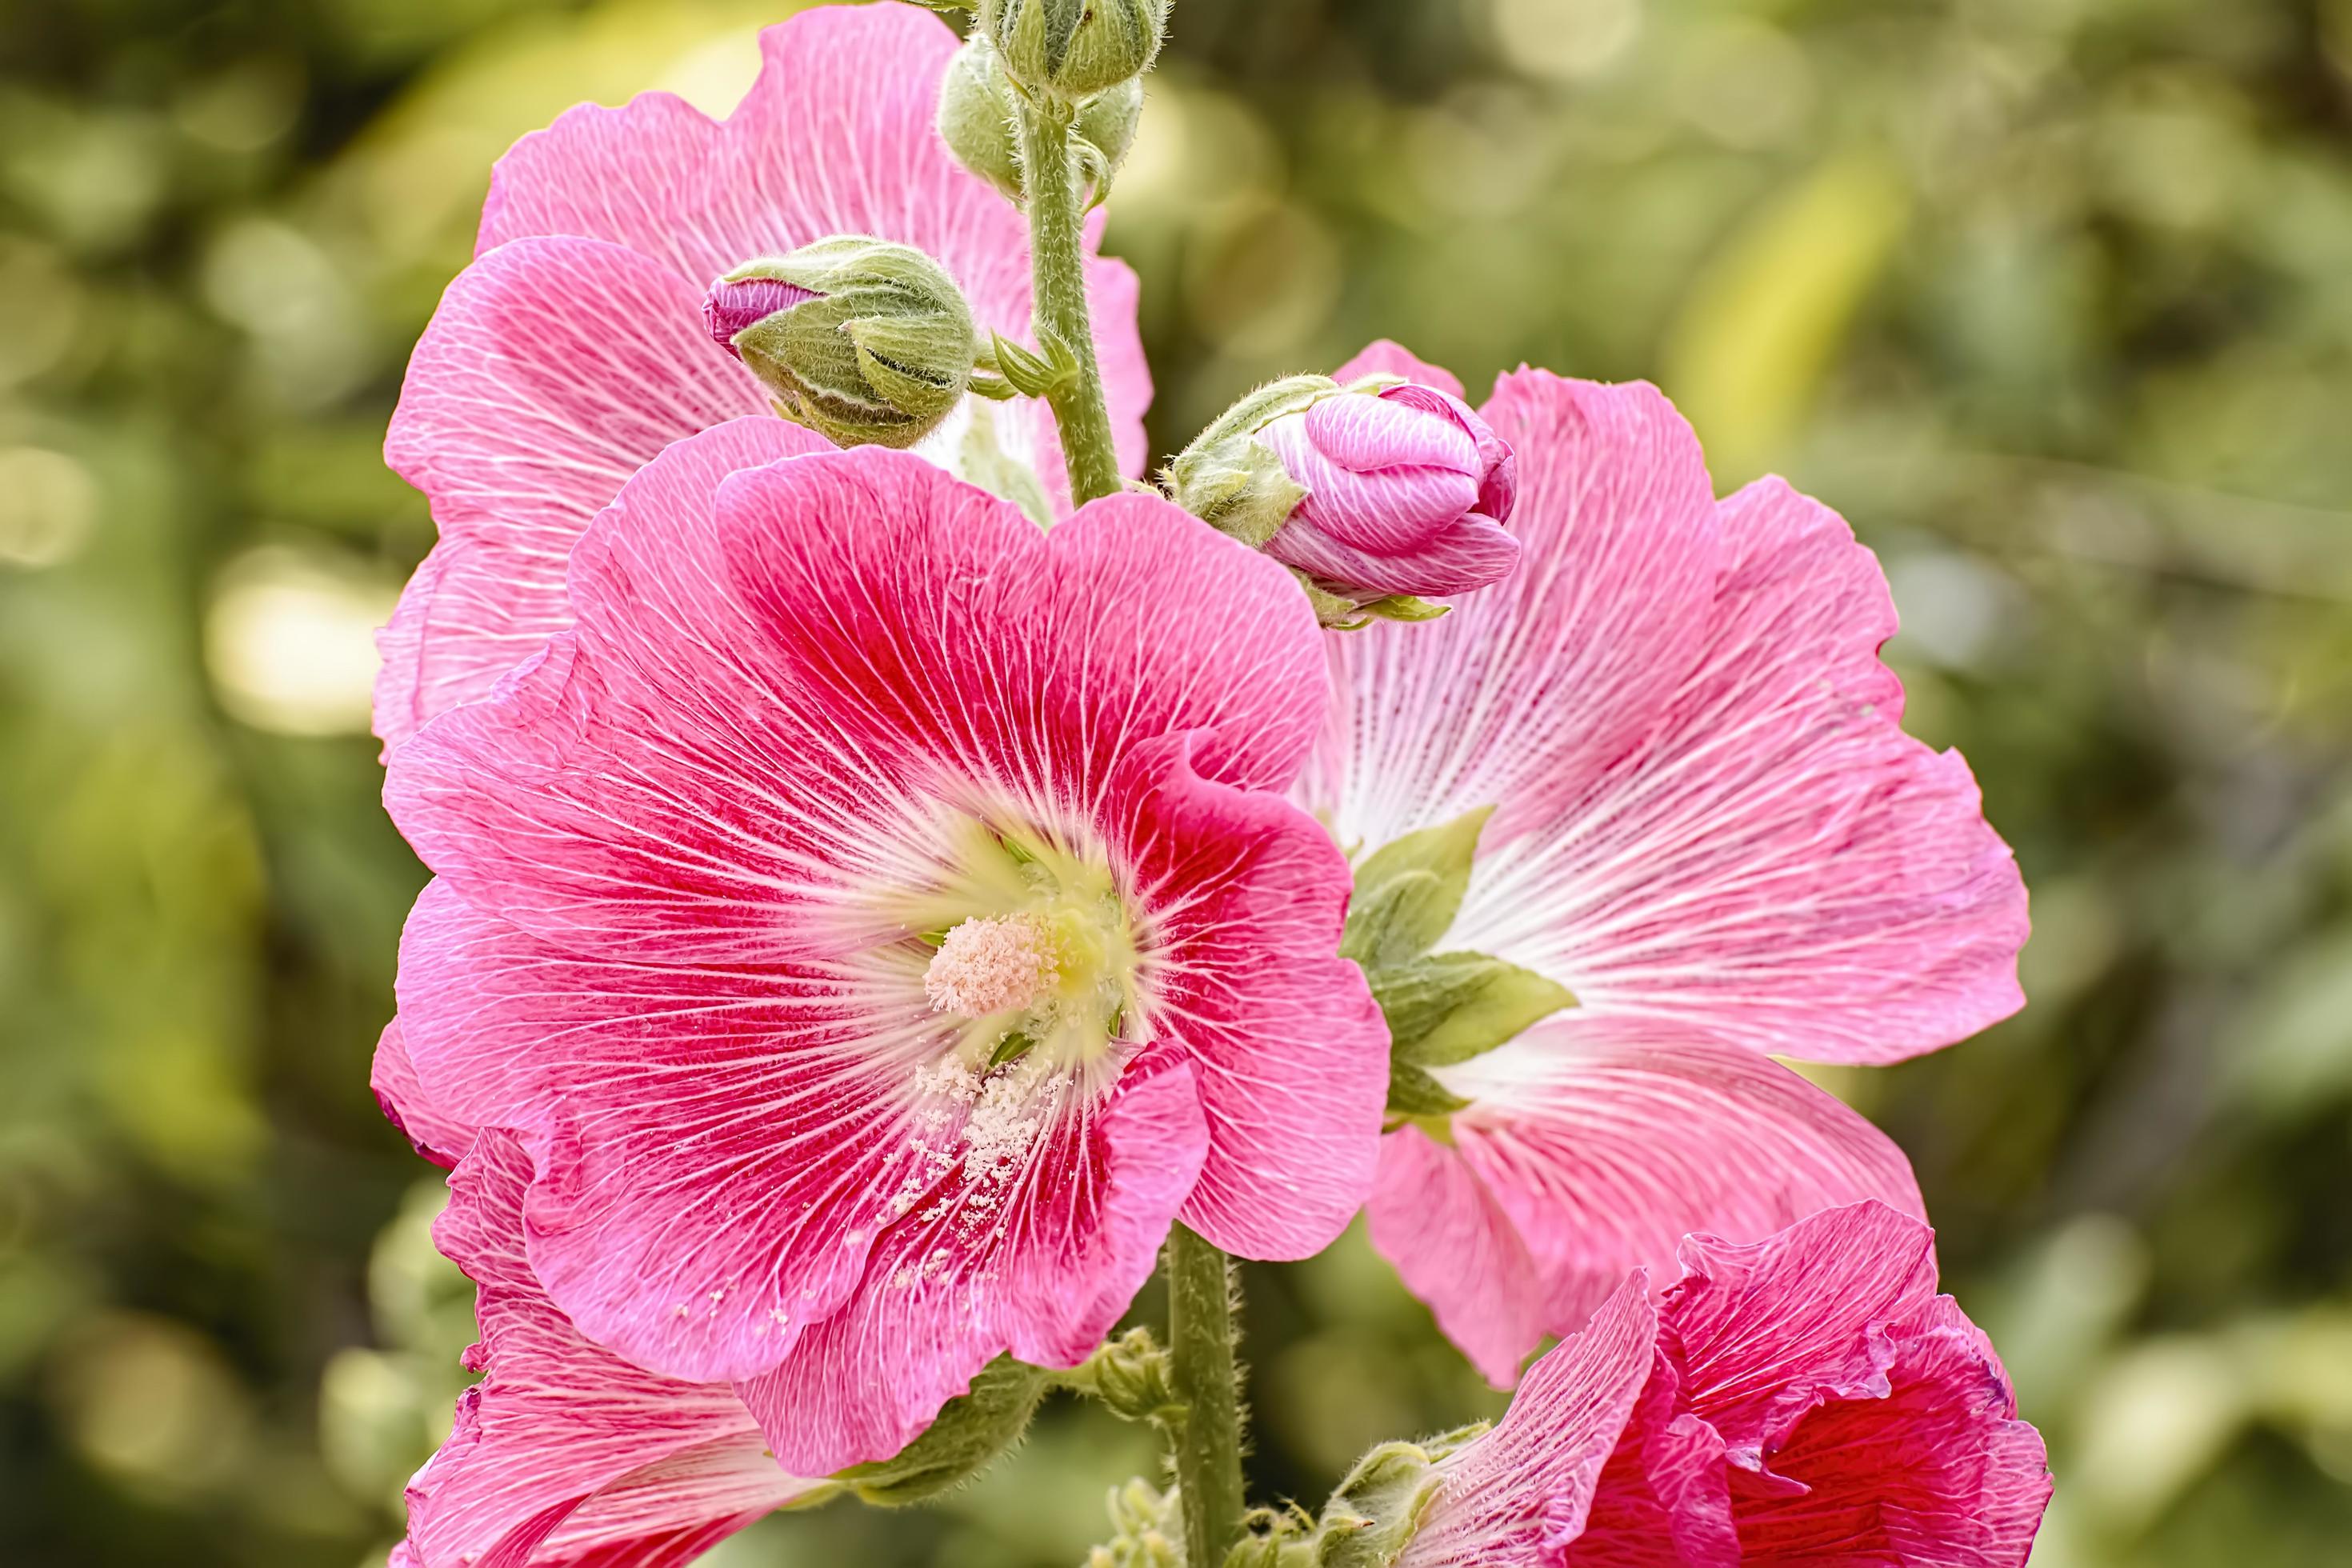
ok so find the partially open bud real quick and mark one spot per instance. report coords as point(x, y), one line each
point(1407, 493)
point(976, 109)
point(1375, 492)
point(865, 342)
point(1073, 49)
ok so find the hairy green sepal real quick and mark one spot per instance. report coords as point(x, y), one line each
point(976, 1428)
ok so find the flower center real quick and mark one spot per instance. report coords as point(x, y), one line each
point(1033, 955)
point(994, 963)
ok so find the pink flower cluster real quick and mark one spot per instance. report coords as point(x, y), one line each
point(863, 923)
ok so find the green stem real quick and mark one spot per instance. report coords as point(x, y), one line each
point(1058, 264)
point(1208, 1382)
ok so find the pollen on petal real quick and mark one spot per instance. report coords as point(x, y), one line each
point(993, 964)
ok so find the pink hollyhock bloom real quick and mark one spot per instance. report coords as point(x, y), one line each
point(565, 1456)
point(880, 918)
point(1708, 825)
point(1407, 492)
point(1805, 1400)
point(574, 347)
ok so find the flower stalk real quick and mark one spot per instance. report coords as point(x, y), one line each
point(1058, 264)
point(1208, 1383)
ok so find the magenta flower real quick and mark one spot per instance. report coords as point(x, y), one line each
point(880, 919)
point(574, 347)
point(565, 1456)
point(1708, 825)
point(1808, 1399)
point(1407, 492)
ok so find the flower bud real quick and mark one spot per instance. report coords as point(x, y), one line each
point(1373, 493)
point(864, 342)
point(1073, 49)
point(975, 1429)
point(976, 111)
point(976, 121)
point(1147, 1528)
point(1133, 1376)
point(1408, 491)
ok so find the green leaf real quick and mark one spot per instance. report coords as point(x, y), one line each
point(1398, 916)
point(1402, 607)
point(1455, 1006)
point(1413, 1092)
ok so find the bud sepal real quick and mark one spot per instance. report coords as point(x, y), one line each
point(863, 341)
point(973, 1431)
point(1443, 1009)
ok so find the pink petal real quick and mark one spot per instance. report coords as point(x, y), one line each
point(1434, 1219)
point(1764, 1331)
point(834, 137)
point(1134, 620)
point(552, 371)
point(1379, 475)
point(1779, 861)
point(1387, 358)
point(565, 1455)
point(716, 1146)
point(1867, 1420)
point(1516, 1497)
point(1602, 1142)
point(1663, 1499)
point(945, 1292)
point(1532, 688)
point(1470, 553)
point(1291, 1052)
point(1938, 1472)
point(435, 1134)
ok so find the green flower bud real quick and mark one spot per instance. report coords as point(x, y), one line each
point(977, 105)
point(1147, 1528)
point(865, 342)
point(1132, 1376)
point(1073, 49)
point(972, 1433)
point(976, 111)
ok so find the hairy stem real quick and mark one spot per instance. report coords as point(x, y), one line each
point(1208, 1382)
point(1057, 267)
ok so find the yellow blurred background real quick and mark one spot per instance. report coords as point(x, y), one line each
point(2052, 297)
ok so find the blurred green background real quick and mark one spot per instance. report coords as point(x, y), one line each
point(2052, 297)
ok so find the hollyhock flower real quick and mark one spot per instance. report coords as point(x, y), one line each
point(1808, 1399)
point(575, 349)
point(565, 1456)
point(880, 918)
point(1408, 491)
point(1708, 826)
